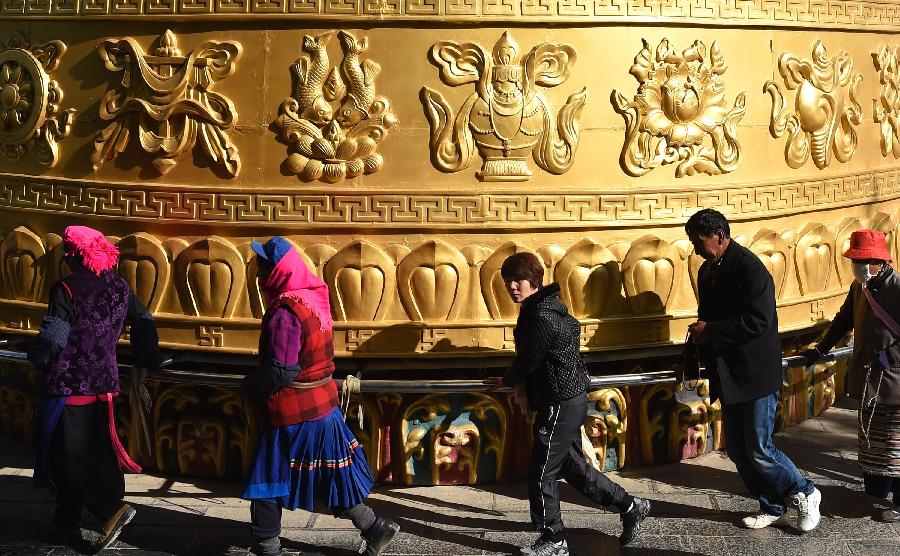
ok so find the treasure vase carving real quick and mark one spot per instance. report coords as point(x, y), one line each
point(30, 117)
point(166, 100)
point(825, 107)
point(334, 121)
point(679, 114)
point(507, 117)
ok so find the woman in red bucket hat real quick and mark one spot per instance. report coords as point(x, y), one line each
point(871, 310)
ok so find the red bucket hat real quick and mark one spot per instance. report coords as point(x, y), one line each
point(868, 244)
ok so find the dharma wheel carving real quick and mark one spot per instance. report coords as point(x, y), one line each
point(507, 118)
point(825, 108)
point(166, 100)
point(679, 114)
point(30, 118)
point(333, 143)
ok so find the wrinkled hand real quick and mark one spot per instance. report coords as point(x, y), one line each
point(697, 331)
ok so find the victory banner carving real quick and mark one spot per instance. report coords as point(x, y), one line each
point(507, 118)
point(165, 99)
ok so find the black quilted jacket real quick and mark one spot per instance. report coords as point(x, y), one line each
point(547, 350)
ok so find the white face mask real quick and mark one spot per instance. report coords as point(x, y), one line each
point(861, 272)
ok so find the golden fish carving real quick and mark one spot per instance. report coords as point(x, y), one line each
point(507, 118)
point(360, 80)
point(310, 72)
point(326, 144)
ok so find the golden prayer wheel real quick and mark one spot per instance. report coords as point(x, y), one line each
point(406, 149)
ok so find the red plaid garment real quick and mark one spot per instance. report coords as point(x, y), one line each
point(290, 406)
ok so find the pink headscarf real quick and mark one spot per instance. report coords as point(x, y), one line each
point(291, 279)
point(96, 252)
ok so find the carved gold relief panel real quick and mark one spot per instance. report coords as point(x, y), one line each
point(507, 118)
point(679, 114)
point(30, 116)
point(825, 111)
point(886, 111)
point(166, 101)
point(334, 121)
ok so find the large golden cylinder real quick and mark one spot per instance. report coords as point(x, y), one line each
point(407, 148)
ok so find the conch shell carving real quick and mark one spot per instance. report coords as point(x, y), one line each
point(679, 104)
point(507, 118)
point(166, 97)
point(826, 107)
point(331, 144)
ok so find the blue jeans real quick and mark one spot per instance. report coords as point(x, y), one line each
point(769, 475)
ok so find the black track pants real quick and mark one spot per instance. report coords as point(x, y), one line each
point(556, 454)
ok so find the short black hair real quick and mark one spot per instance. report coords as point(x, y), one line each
point(523, 266)
point(706, 222)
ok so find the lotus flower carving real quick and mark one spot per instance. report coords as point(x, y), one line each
point(680, 103)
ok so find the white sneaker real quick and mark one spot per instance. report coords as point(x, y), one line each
point(808, 508)
point(763, 520)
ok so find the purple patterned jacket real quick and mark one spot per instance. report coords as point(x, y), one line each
point(76, 346)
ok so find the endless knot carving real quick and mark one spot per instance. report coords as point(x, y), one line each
point(887, 106)
point(824, 118)
point(30, 119)
point(679, 104)
point(507, 118)
point(334, 144)
point(166, 97)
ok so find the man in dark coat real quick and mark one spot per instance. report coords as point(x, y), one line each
point(737, 338)
point(548, 365)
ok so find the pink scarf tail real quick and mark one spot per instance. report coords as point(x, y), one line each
point(127, 464)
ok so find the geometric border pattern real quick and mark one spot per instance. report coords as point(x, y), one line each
point(323, 209)
point(844, 14)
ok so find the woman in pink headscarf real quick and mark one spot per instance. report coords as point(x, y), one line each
point(78, 449)
point(306, 455)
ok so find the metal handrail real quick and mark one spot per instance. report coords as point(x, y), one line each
point(427, 386)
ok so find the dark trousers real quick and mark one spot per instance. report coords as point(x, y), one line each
point(557, 454)
point(265, 518)
point(84, 467)
point(880, 486)
point(769, 475)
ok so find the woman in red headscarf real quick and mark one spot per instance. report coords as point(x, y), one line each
point(78, 449)
point(307, 455)
point(871, 310)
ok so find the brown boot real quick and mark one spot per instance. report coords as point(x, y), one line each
point(114, 525)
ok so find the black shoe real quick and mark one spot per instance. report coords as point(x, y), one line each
point(268, 547)
point(379, 535)
point(631, 520)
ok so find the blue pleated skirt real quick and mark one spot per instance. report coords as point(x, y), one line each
point(319, 460)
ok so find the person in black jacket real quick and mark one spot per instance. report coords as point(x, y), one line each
point(549, 366)
point(737, 338)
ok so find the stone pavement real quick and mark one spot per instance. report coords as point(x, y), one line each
point(696, 505)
